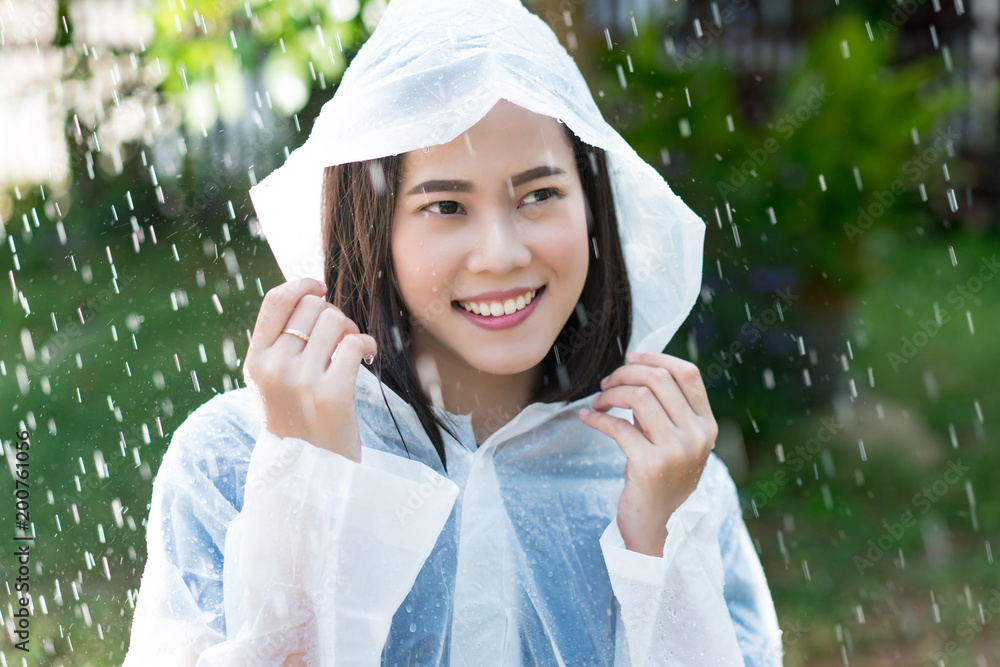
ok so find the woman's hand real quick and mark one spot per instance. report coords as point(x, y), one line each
point(666, 448)
point(303, 389)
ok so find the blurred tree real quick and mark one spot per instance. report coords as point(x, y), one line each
point(843, 143)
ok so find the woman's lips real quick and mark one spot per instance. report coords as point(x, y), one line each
point(503, 321)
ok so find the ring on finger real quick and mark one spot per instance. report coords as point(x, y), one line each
point(295, 332)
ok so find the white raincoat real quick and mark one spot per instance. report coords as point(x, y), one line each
point(259, 546)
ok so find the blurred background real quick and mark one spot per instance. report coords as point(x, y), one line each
point(843, 154)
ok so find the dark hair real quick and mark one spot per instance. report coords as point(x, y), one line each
point(357, 210)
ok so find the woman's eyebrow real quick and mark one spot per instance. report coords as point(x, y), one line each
point(465, 186)
point(536, 173)
point(440, 186)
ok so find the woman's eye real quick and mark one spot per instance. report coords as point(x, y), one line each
point(445, 207)
point(547, 192)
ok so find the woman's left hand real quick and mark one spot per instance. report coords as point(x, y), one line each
point(667, 447)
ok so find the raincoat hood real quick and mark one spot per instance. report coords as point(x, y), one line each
point(430, 71)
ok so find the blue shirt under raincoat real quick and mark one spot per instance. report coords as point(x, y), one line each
point(260, 546)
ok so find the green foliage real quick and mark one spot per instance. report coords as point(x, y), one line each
point(827, 116)
point(293, 46)
point(778, 186)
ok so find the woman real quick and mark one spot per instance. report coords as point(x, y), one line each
point(501, 486)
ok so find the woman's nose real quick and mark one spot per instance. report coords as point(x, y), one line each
point(500, 247)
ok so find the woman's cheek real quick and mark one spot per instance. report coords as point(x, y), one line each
point(424, 264)
point(406, 261)
point(567, 246)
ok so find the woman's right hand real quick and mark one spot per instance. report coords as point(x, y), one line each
point(303, 389)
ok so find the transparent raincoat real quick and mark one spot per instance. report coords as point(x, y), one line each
point(259, 547)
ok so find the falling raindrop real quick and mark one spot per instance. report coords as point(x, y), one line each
point(782, 548)
point(972, 506)
point(621, 77)
point(930, 384)
point(430, 379)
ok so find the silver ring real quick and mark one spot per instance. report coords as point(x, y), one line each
point(298, 334)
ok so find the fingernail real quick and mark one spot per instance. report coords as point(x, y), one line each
point(632, 356)
point(369, 359)
point(584, 412)
point(604, 382)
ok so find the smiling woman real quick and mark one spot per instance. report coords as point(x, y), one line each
point(504, 485)
point(501, 242)
point(515, 211)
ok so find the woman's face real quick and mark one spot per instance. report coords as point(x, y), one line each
point(480, 222)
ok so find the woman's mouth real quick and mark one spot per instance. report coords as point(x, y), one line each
point(495, 315)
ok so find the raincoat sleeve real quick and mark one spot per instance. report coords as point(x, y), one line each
point(706, 601)
point(317, 560)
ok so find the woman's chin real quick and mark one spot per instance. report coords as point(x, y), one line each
point(509, 365)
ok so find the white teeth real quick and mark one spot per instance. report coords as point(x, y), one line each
point(496, 308)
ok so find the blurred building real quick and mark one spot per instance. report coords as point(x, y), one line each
point(47, 80)
point(96, 90)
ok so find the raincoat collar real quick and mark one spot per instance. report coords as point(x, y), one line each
point(533, 415)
